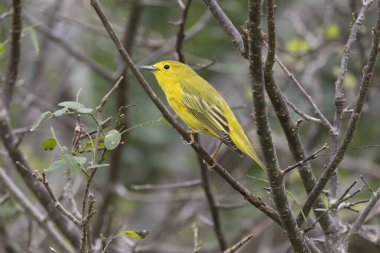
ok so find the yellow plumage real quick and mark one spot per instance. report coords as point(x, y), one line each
point(201, 106)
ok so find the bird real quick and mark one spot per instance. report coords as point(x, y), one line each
point(201, 106)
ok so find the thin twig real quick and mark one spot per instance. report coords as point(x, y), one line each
point(301, 113)
point(181, 32)
point(197, 242)
point(310, 157)
point(239, 244)
point(42, 178)
point(106, 97)
point(361, 218)
point(324, 121)
point(180, 185)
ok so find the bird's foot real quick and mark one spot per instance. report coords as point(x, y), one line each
point(191, 135)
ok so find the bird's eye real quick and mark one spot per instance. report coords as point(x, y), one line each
point(166, 67)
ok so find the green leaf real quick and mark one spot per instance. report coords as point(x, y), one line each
point(49, 144)
point(135, 234)
point(112, 139)
point(61, 112)
point(40, 119)
point(332, 31)
point(72, 105)
point(85, 110)
point(89, 144)
point(67, 161)
point(297, 45)
point(34, 38)
point(98, 166)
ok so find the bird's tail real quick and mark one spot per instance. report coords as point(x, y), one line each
point(251, 153)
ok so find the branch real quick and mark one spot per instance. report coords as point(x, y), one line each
point(361, 218)
point(227, 25)
point(324, 121)
point(31, 210)
point(354, 119)
point(25, 170)
point(180, 185)
point(116, 157)
point(239, 244)
point(253, 199)
point(42, 178)
point(14, 56)
point(206, 184)
point(275, 175)
point(181, 31)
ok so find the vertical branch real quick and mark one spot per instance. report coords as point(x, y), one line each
point(340, 102)
point(206, 184)
point(353, 122)
point(14, 56)
point(258, 77)
point(181, 32)
point(122, 101)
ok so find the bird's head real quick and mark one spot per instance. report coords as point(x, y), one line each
point(170, 70)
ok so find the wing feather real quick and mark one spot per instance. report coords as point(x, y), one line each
point(210, 114)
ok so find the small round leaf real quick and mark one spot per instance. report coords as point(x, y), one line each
point(112, 139)
point(49, 144)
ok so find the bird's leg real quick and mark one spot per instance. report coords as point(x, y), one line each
point(191, 134)
point(213, 155)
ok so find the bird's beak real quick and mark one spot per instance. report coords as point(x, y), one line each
point(151, 68)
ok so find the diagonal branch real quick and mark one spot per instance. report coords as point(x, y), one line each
point(36, 214)
point(227, 25)
point(361, 218)
point(353, 122)
point(250, 197)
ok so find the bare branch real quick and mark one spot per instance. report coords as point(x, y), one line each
point(42, 178)
point(354, 119)
point(227, 25)
point(206, 184)
point(361, 218)
point(258, 81)
point(239, 244)
point(180, 185)
point(14, 57)
point(30, 209)
point(181, 31)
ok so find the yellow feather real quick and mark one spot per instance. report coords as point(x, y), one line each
point(201, 106)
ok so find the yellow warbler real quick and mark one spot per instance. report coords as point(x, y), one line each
point(201, 106)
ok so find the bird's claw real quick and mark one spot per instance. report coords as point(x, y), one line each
point(191, 135)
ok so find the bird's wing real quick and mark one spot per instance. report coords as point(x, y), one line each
point(207, 109)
